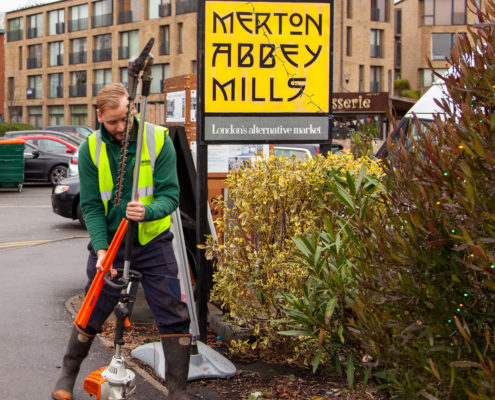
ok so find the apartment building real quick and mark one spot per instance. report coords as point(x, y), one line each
point(59, 55)
point(427, 29)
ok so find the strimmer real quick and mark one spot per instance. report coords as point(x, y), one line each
point(116, 382)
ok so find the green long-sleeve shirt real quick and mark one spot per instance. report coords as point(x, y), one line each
point(102, 227)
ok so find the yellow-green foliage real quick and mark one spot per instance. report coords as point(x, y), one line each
point(268, 204)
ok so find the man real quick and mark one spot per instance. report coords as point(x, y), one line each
point(152, 253)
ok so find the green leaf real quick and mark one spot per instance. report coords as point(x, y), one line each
point(332, 303)
point(350, 369)
point(317, 359)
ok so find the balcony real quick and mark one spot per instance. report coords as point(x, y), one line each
point(124, 52)
point(77, 90)
point(374, 86)
point(77, 57)
point(165, 10)
point(97, 87)
point(125, 17)
point(459, 18)
point(32, 33)
point(60, 92)
point(60, 27)
point(12, 36)
point(97, 21)
point(164, 48)
point(34, 62)
point(185, 6)
point(57, 60)
point(375, 14)
point(78, 24)
point(100, 55)
point(376, 51)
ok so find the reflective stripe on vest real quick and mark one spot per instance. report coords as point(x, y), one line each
point(152, 146)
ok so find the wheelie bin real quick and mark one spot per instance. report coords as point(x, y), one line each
point(12, 163)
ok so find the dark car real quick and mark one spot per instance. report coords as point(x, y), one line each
point(79, 129)
point(73, 138)
point(44, 166)
point(65, 199)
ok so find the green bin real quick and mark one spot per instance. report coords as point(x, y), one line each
point(12, 163)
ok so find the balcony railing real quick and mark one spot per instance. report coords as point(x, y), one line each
point(78, 24)
point(60, 92)
point(31, 93)
point(123, 52)
point(376, 51)
point(32, 33)
point(97, 87)
point(78, 57)
point(164, 48)
point(165, 10)
point(14, 35)
point(125, 17)
point(33, 62)
point(375, 14)
point(60, 27)
point(102, 55)
point(97, 21)
point(77, 91)
point(374, 86)
point(185, 6)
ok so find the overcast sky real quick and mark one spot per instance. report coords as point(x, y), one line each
point(8, 5)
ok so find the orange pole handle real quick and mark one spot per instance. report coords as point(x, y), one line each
point(97, 284)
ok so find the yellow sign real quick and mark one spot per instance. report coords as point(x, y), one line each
point(263, 57)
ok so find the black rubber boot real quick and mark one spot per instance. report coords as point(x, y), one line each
point(77, 350)
point(177, 353)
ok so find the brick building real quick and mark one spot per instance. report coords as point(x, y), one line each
point(60, 54)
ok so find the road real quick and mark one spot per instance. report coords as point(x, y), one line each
point(42, 265)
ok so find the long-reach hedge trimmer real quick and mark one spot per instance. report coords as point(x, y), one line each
point(116, 382)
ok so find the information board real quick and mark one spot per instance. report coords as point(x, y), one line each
point(267, 73)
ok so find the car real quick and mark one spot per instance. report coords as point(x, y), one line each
point(302, 151)
point(83, 130)
point(44, 166)
point(65, 199)
point(50, 143)
point(75, 139)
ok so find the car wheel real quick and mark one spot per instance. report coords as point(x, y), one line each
point(79, 215)
point(57, 173)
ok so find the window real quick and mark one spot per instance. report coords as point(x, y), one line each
point(444, 12)
point(164, 40)
point(379, 10)
point(35, 116)
point(34, 56)
point(78, 18)
point(79, 114)
point(441, 43)
point(376, 39)
point(56, 53)
point(129, 11)
point(349, 9)
point(102, 77)
point(56, 82)
point(102, 48)
point(34, 87)
point(348, 44)
point(48, 144)
point(398, 54)
point(160, 72)
point(15, 113)
point(124, 75)
point(102, 14)
point(78, 84)
point(159, 8)
point(129, 44)
point(35, 26)
point(194, 66)
point(427, 76)
point(180, 38)
point(16, 27)
point(11, 88)
point(376, 74)
point(78, 51)
point(398, 23)
point(56, 22)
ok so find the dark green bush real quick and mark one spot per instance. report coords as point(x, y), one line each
point(15, 126)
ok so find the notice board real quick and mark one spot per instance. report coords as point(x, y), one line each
point(266, 71)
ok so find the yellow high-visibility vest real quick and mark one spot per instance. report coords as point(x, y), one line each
point(152, 146)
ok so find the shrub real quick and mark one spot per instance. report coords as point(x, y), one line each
point(268, 204)
point(14, 126)
point(427, 308)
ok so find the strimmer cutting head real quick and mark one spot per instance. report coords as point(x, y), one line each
point(114, 382)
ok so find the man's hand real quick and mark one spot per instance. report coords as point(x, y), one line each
point(135, 211)
point(101, 255)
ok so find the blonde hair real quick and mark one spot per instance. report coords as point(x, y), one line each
point(110, 96)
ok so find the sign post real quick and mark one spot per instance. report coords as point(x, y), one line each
point(264, 76)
